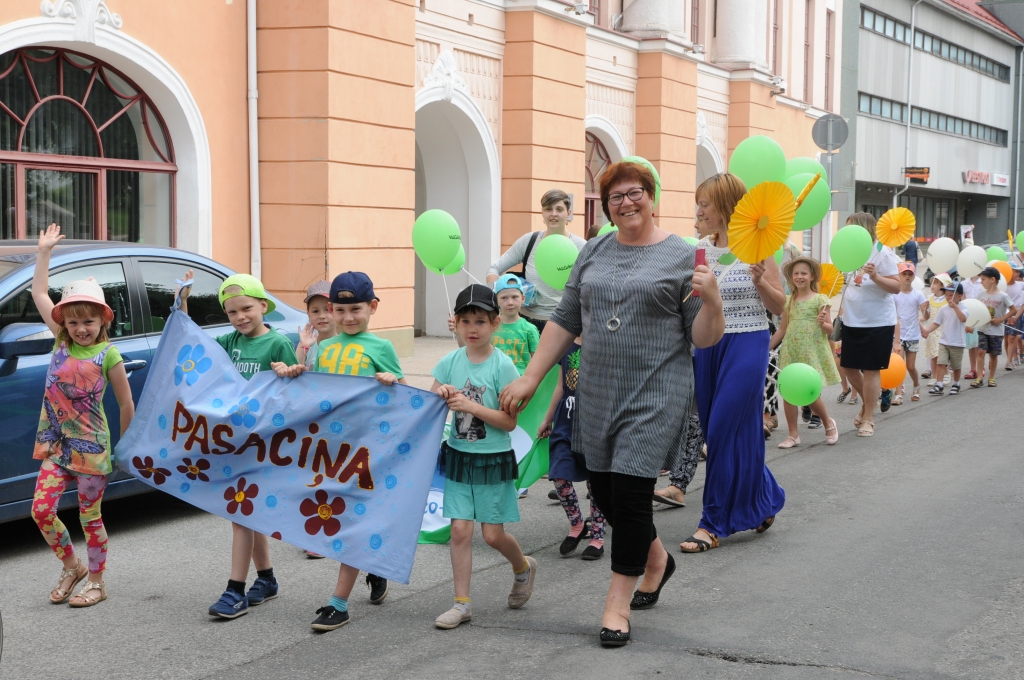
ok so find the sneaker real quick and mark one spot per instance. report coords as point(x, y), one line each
point(805, 413)
point(329, 618)
point(815, 423)
point(592, 552)
point(262, 589)
point(926, 375)
point(452, 618)
point(553, 495)
point(954, 389)
point(523, 492)
point(569, 545)
point(854, 401)
point(378, 588)
point(931, 383)
point(521, 592)
point(312, 555)
point(936, 391)
point(886, 400)
point(231, 605)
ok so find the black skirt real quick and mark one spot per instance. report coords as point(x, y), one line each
point(867, 349)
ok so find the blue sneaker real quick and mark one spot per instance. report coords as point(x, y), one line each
point(886, 400)
point(231, 605)
point(262, 589)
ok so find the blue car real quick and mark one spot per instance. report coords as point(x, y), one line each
point(138, 282)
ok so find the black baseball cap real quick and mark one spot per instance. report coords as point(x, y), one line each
point(357, 283)
point(476, 295)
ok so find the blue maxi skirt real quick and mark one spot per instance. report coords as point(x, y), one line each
point(739, 490)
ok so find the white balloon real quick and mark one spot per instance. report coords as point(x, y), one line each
point(917, 284)
point(942, 255)
point(1002, 283)
point(977, 313)
point(971, 261)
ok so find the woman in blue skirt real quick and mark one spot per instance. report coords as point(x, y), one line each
point(740, 492)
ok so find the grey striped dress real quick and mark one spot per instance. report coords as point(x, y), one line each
point(635, 384)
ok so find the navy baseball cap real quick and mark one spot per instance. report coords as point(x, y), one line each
point(476, 295)
point(357, 283)
point(956, 288)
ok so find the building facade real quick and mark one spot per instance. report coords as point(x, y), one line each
point(961, 114)
point(130, 121)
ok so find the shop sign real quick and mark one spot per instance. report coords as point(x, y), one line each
point(975, 177)
point(999, 180)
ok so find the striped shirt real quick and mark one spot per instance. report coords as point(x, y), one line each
point(547, 298)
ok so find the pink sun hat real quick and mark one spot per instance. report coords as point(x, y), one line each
point(83, 290)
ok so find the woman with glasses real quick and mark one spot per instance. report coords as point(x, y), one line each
point(740, 492)
point(629, 296)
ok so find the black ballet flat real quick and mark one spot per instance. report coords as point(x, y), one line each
point(648, 600)
point(615, 638)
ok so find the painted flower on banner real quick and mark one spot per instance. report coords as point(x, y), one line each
point(195, 470)
point(147, 468)
point(322, 514)
point(192, 361)
point(243, 413)
point(241, 497)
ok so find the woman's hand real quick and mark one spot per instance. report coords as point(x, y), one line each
point(870, 270)
point(757, 272)
point(517, 394)
point(705, 284)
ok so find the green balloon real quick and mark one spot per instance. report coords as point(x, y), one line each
point(798, 166)
point(779, 254)
point(850, 248)
point(995, 253)
point(758, 159)
point(654, 171)
point(456, 265)
point(691, 240)
point(436, 239)
point(814, 207)
point(607, 229)
point(800, 384)
point(555, 256)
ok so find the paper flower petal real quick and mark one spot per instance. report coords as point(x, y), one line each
point(895, 227)
point(761, 221)
point(831, 280)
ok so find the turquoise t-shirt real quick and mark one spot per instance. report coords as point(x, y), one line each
point(481, 383)
point(359, 354)
point(518, 341)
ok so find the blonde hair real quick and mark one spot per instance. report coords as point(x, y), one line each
point(82, 310)
point(787, 271)
point(723, 191)
point(866, 220)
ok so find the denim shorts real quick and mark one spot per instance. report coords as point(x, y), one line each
point(910, 345)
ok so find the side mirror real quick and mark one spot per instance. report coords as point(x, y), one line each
point(22, 339)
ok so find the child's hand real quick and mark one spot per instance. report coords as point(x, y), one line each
point(446, 391)
point(307, 336)
point(385, 378)
point(49, 237)
point(924, 331)
point(545, 429)
point(969, 329)
point(825, 315)
point(283, 370)
point(188, 289)
point(460, 402)
point(451, 323)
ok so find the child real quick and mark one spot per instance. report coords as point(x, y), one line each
point(354, 351)
point(951, 319)
point(909, 303)
point(73, 439)
point(990, 335)
point(972, 287)
point(1015, 289)
point(480, 466)
point(567, 467)
point(516, 336)
point(807, 322)
point(253, 347)
point(936, 301)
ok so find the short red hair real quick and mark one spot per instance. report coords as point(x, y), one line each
point(624, 172)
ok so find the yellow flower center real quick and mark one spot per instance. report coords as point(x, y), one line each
point(193, 469)
point(762, 222)
point(188, 365)
point(239, 497)
point(325, 512)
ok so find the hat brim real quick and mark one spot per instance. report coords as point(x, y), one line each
point(476, 303)
point(326, 296)
point(270, 303)
point(57, 314)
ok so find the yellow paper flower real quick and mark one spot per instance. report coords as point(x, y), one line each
point(895, 227)
point(761, 222)
point(831, 280)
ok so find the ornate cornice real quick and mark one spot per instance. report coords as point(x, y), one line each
point(85, 13)
point(445, 74)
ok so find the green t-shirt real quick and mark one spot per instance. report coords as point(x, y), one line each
point(113, 357)
point(481, 383)
point(518, 341)
point(252, 355)
point(360, 354)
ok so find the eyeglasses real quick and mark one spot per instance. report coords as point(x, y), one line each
point(635, 194)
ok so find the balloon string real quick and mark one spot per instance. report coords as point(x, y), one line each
point(444, 282)
point(471, 276)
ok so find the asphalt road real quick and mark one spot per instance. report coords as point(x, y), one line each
point(895, 557)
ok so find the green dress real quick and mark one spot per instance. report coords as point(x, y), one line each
point(805, 342)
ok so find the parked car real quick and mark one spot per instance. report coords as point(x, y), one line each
point(138, 282)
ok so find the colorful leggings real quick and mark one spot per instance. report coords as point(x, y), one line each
point(571, 504)
point(50, 485)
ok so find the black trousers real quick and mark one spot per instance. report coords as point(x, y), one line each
point(626, 503)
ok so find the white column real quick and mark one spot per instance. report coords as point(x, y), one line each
point(742, 33)
point(655, 19)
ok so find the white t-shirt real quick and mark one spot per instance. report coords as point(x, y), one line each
point(971, 287)
point(1016, 292)
point(867, 305)
point(907, 307)
point(953, 329)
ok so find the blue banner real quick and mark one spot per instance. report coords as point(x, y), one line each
point(339, 465)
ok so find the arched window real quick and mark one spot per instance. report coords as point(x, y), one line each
point(81, 145)
point(597, 159)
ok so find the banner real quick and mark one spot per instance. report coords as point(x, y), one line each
point(339, 465)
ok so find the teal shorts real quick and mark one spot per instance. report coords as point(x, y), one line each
point(484, 503)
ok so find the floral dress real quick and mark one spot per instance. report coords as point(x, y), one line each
point(931, 346)
point(805, 342)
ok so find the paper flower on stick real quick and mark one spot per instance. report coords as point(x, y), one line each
point(895, 227)
point(761, 222)
point(831, 280)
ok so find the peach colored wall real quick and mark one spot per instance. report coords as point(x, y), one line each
point(205, 42)
point(544, 105)
point(666, 132)
point(337, 148)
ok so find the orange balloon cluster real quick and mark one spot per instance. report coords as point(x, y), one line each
point(892, 377)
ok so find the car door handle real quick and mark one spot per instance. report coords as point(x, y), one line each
point(134, 365)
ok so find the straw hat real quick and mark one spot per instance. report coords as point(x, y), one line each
point(83, 290)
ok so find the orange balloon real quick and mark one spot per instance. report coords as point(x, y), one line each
point(893, 376)
point(1004, 269)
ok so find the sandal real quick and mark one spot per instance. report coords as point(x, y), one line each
point(831, 439)
point(854, 401)
point(87, 600)
point(867, 429)
point(702, 546)
point(668, 499)
point(916, 396)
point(970, 376)
point(766, 525)
point(977, 382)
point(78, 573)
point(843, 395)
point(991, 382)
point(789, 442)
point(857, 422)
point(897, 400)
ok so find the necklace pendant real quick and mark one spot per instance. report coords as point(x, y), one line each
point(613, 324)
